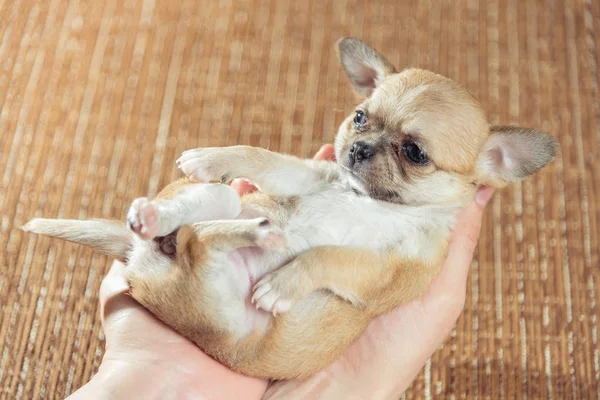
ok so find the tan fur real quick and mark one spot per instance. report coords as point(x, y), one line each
point(326, 293)
point(378, 282)
point(173, 188)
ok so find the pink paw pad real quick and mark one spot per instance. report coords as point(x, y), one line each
point(143, 218)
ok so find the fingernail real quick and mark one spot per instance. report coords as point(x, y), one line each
point(483, 196)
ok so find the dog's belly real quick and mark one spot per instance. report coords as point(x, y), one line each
point(247, 265)
point(330, 218)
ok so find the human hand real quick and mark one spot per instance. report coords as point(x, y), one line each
point(145, 359)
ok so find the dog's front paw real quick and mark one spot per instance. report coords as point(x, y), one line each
point(212, 164)
point(143, 218)
point(278, 291)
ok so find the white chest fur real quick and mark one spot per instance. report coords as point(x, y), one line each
point(338, 216)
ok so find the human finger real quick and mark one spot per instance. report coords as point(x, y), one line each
point(455, 269)
point(326, 152)
point(242, 186)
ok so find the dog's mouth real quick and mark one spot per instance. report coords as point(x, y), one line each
point(353, 180)
point(365, 186)
point(168, 244)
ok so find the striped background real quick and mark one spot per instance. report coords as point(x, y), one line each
point(98, 98)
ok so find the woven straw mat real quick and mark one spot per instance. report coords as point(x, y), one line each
point(99, 98)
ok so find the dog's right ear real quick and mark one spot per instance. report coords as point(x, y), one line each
point(512, 153)
point(363, 64)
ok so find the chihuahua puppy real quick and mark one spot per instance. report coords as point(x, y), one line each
point(277, 284)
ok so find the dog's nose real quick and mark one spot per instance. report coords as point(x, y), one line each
point(361, 151)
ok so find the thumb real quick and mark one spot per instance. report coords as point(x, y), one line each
point(113, 291)
point(455, 269)
point(242, 186)
point(326, 152)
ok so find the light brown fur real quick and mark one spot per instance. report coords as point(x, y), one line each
point(172, 189)
point(333, 291)
point(378, 282)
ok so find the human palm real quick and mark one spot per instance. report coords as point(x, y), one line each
point(148, 360)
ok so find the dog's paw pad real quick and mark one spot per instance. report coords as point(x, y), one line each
point(267, 298)
point(143, 218)
point(196, 165)
point(270, 237)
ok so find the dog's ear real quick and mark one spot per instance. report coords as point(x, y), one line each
point(512, 153)
point(363, 64)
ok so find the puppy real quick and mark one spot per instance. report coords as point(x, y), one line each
point(277, 284)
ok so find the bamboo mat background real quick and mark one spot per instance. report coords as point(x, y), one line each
point(98, 99)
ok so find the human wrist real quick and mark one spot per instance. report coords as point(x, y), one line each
point(326, 386)
point(125, 380)
point(318, 386)
point(135, 378)
point(107, 384)
point(377, 382)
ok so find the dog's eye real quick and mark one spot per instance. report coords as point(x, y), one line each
point(360, 119)
point(414, 153)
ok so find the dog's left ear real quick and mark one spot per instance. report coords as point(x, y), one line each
point(512, 153)
point(363, 64)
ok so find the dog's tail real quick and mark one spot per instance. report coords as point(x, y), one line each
point(108, 237)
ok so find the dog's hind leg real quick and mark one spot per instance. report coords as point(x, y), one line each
point(188, 204)
point(225, 235)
